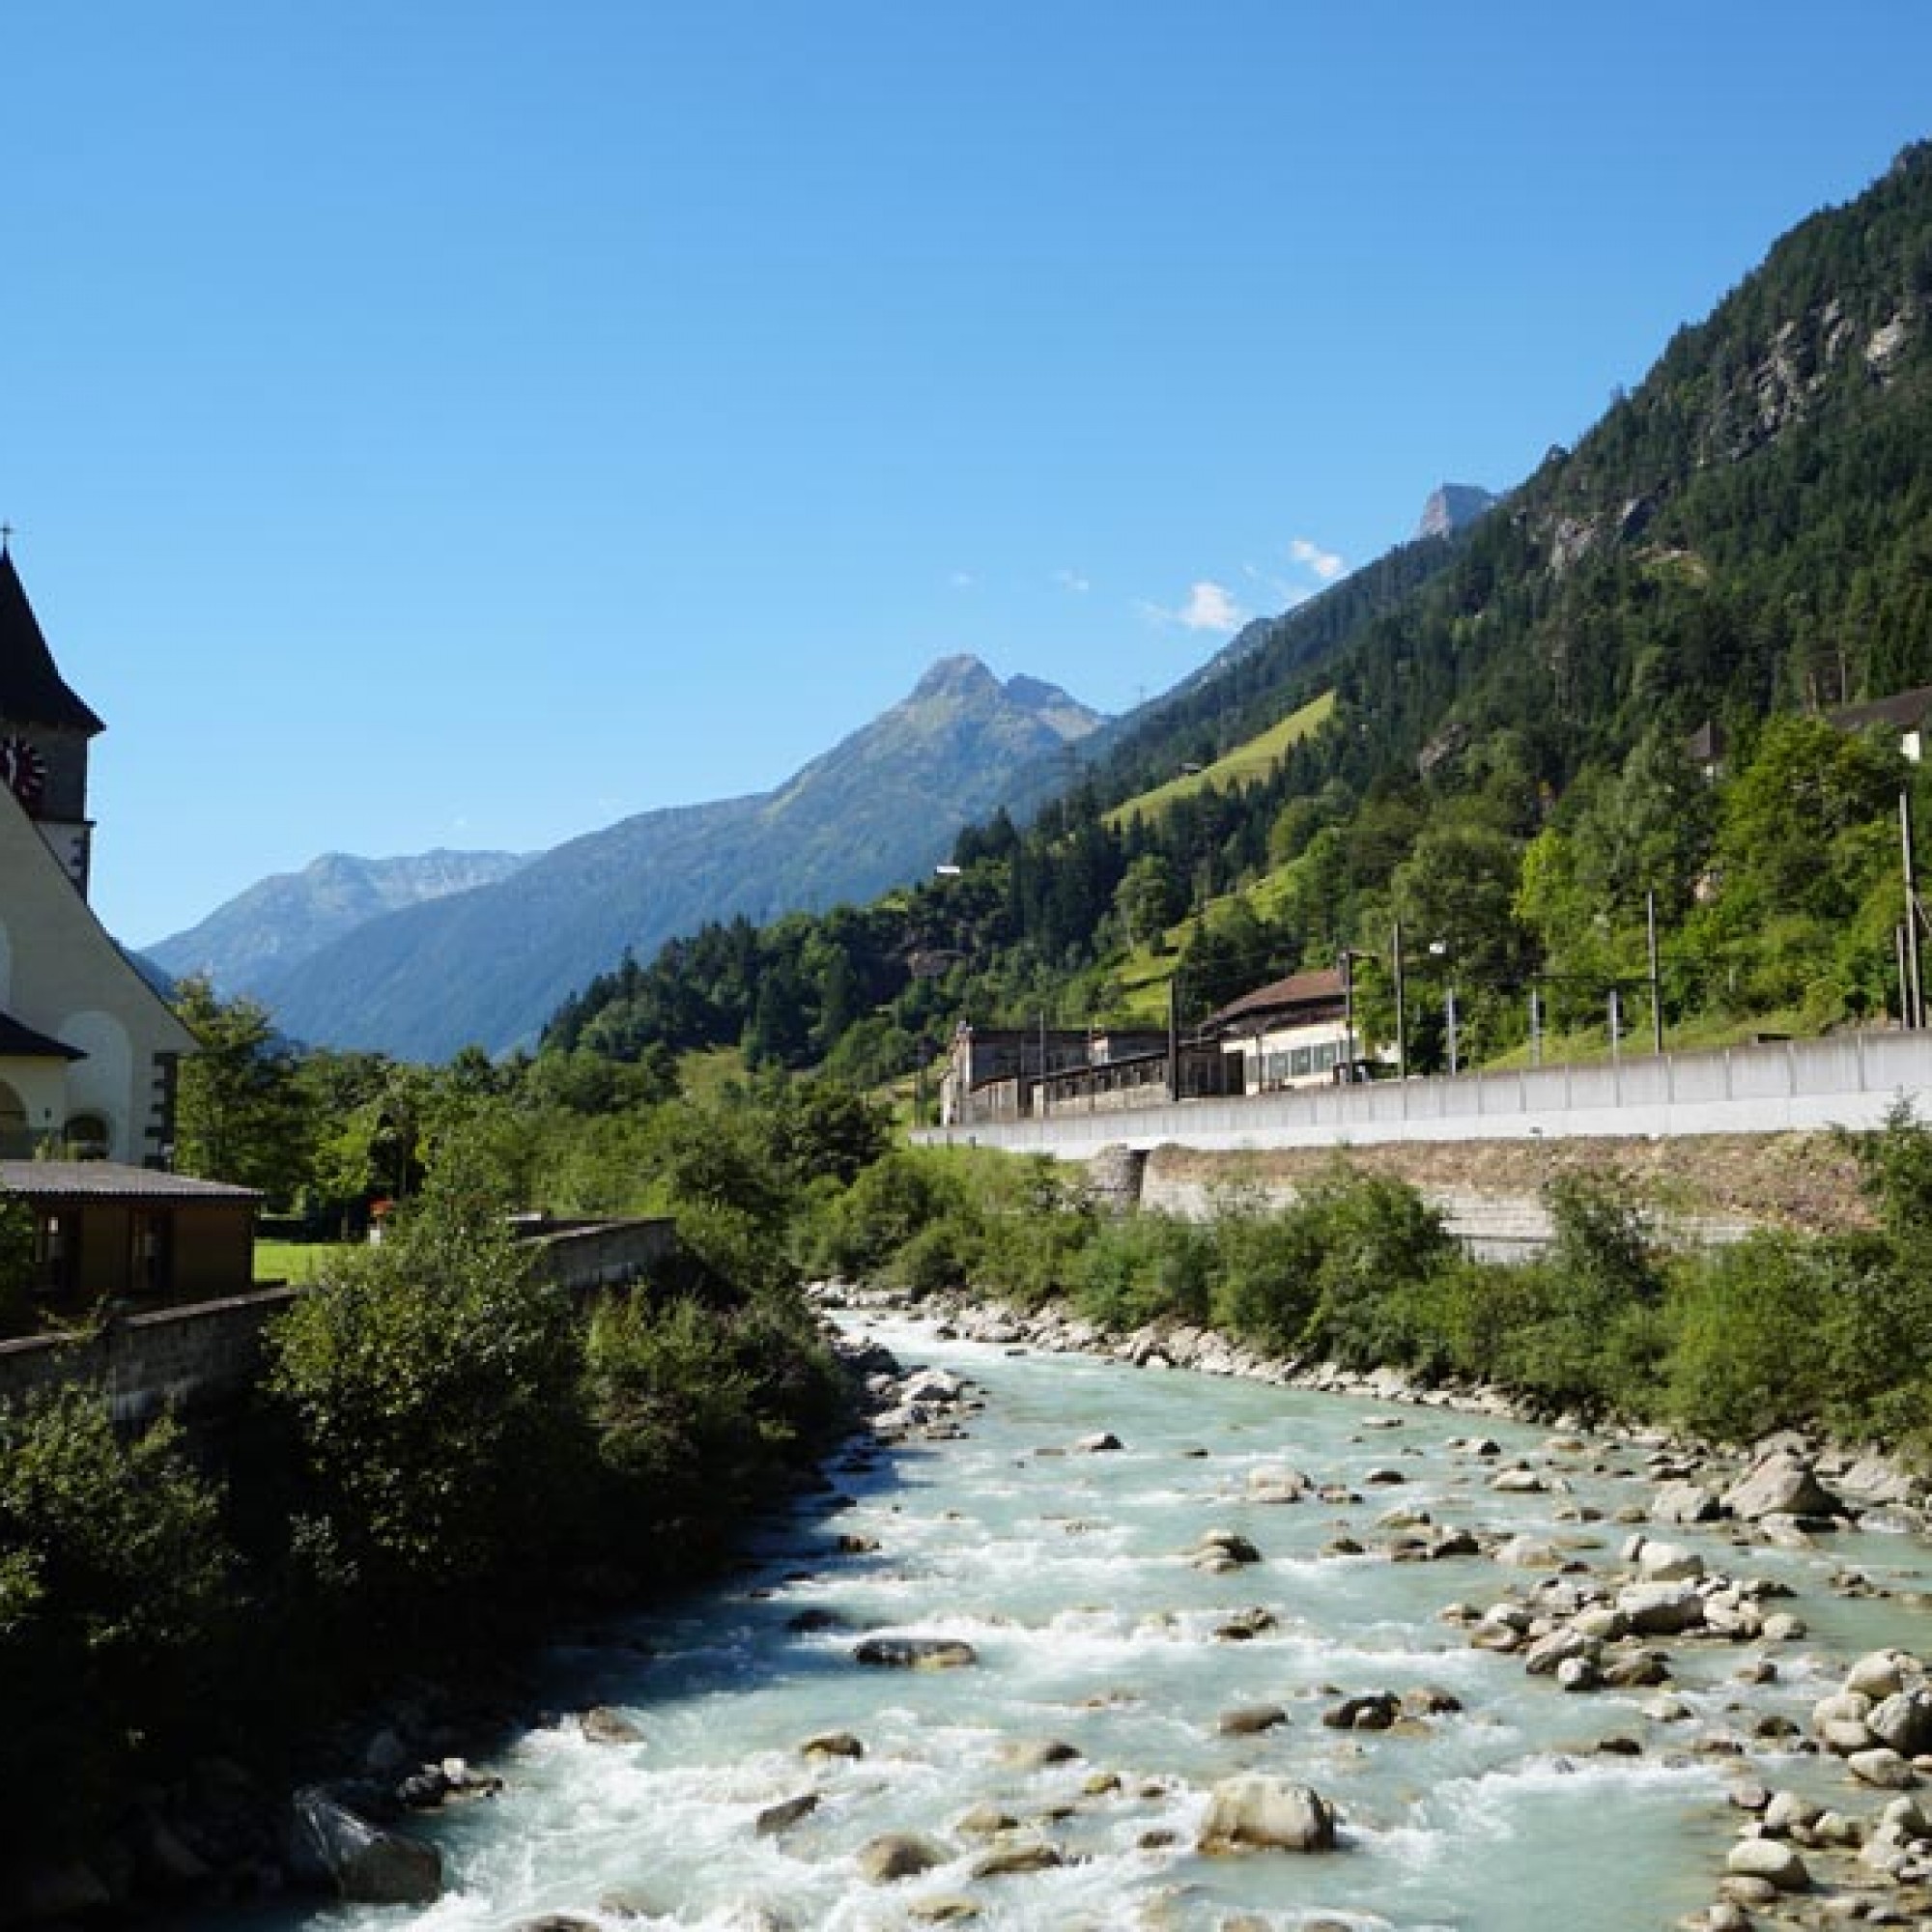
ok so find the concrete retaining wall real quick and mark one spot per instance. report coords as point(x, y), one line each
point(1851, 1080)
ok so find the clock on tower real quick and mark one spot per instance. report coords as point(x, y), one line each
point(23, 770)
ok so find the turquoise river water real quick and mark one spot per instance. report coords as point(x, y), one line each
point(1066, 1573)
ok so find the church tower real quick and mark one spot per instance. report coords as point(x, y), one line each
point(44, 730)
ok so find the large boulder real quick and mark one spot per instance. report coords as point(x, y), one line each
point(332, 1846)
point(1260, 1813)
point(1768, 1859)
point(1904, 1721)
point(1781, 1484)
point(1661, 1609)
point(1682, 1501)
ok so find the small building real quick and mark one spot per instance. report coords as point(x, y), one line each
point(1295, 1032)
point(104, 1231)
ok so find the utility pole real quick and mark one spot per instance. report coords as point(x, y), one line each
point(1349, 1010)
point(1174, 1036)
point(1535, 1025)
point(1401, 1005)
point(1915, 991)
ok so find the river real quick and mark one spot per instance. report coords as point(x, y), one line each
point(1065, 1571)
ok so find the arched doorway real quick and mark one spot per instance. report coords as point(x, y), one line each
point(87, 1137)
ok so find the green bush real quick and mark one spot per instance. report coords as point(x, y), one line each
point(1378, 1241)
point(116, 1596)
point(700, 1413)
point(1758, 1334)
point(432, 1385)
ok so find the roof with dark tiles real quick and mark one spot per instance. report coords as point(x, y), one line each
point(32, 690)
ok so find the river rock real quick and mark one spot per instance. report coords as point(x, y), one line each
point(1682, 1502)
point(1277, 1483)
point(1246, 1720)
point(1659, 1562)
point(1221, 1549)
point(1661, 1609)
point(914, 1653)
point(1036, 1753)
point(783, 1816)
point(1881, 1768)
point(1879, 1674)
point(833, 1744)
point(985, 1821)
point(601, 1725)
point(1005, 1860)
point(898, 1855)
point(1376, 1711)
point(1253, 1622)
point(1781, 1484)
point(1904, 1721)
point(362, 1863)
point(1770, 1860)
point(1260, 1813)
point(946, 1908)
point(1528, 1552)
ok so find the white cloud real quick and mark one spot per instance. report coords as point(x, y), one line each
point(1071, 580)
point(962, 579)
point(1210, 607)
point(1326, 564)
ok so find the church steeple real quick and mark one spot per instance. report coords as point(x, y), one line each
point(44, 728)
point(32, 690)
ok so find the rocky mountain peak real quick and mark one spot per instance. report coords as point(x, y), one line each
point(1452, 505)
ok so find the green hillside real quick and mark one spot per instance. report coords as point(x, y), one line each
point(1243, 765)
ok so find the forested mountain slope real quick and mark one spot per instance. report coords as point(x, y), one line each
point(1745, 537)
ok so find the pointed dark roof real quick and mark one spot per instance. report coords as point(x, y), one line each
point(32, 692)
point(20, 1041)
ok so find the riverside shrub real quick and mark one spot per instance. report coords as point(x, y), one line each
point(116, 1601)
point(433, 1385)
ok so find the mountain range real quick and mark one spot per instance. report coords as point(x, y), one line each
point(418, 958)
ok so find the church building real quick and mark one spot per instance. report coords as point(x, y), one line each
point(88, 1049)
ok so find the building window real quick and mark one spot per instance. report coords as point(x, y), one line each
point(87, 1137)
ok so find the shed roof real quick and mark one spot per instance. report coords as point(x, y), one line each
point(112, 1181)
point(32, 690)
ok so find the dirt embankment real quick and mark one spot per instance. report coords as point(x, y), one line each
point(1809, 1182)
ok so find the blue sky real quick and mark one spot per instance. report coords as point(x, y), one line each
point(467, 423)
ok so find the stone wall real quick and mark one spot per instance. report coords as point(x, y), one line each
point(604, 1253)
point(189, 1359)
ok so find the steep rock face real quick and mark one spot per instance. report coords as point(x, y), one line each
point(489, 965)
point(1452, 506)
point(247, 944)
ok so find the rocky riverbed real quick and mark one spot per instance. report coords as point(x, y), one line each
point(1859, 1854)
point(1084, 1639)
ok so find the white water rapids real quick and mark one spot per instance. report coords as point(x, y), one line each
point(1066, 1573)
